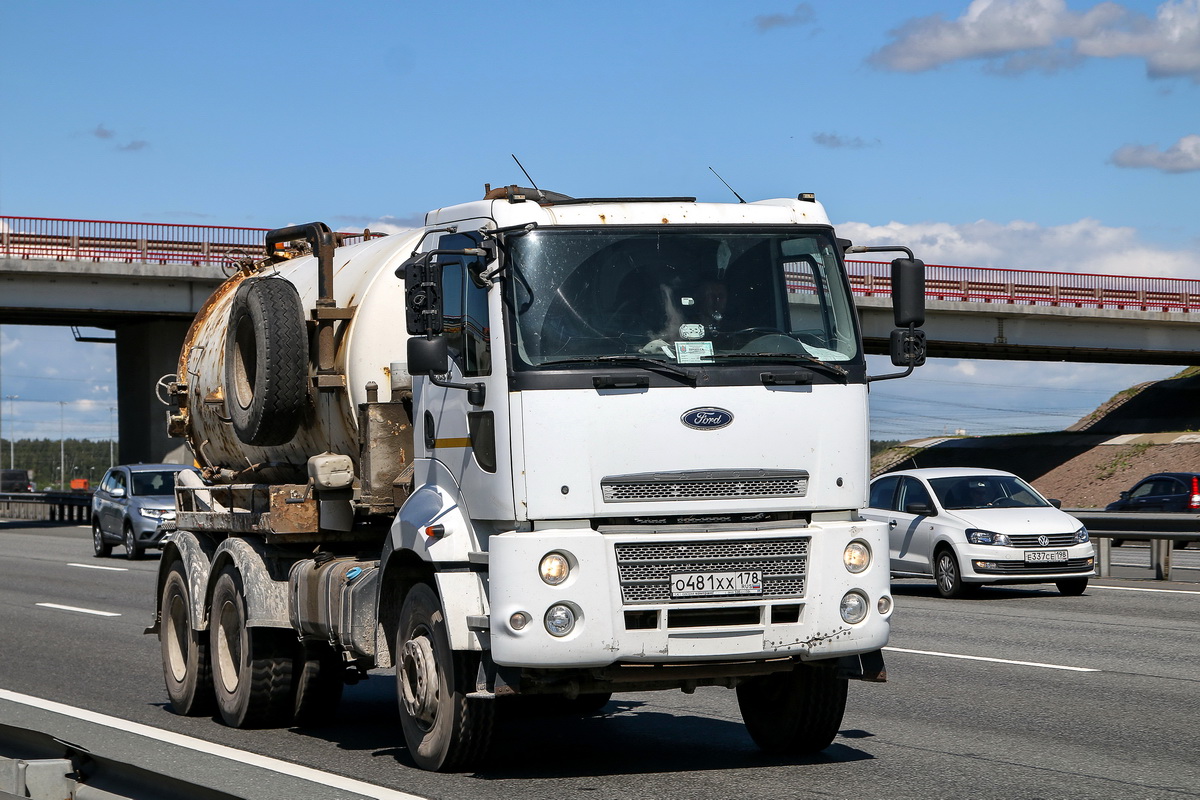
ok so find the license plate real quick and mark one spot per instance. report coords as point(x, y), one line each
point(715, 584)
point(1042, 556)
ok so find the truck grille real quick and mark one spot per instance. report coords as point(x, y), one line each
point(1055, 540)
point(645, 569)
point(704, 485)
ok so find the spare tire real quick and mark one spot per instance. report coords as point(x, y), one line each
point(266, 362)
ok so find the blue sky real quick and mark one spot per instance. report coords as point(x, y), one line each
point(1035, 134)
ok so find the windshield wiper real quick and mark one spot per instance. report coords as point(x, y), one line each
point(812, 361)
point(642, 361)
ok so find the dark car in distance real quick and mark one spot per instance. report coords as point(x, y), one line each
point(1167, 492)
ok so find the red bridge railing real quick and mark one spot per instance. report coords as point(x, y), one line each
point(161, 243)
point(147, 242)
point(1032, 287)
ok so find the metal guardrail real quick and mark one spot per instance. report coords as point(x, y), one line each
point(1162, 531)
point(53, 506)
point(47, 768)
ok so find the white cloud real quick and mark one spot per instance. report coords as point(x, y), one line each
point(1183, 156)
point(1016, 36)
point(802, 15)
point(1084, 246)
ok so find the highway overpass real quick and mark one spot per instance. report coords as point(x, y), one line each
point(145, 281)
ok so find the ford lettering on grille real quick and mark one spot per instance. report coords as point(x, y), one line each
point(706, 419)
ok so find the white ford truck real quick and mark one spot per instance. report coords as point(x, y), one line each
point(542, 446)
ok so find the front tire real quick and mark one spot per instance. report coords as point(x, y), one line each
point(132, 550)
point(445, 730)
point(251, 667)
point(186, 666)
point(1072, 587)
point(947, 575)
point(795, 713)
point(101, 548)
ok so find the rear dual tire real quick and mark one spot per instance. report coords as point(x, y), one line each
point(252, 667)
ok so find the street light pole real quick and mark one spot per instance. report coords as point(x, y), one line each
point(111, 413)
point(62, 435)
point(11, 416)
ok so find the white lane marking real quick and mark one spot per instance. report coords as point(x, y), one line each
point(241, 756)
point(80, 610)
point(994, 660)
point(97, 566)
point(1136, 589)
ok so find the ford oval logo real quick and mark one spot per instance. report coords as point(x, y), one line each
point(706, 419)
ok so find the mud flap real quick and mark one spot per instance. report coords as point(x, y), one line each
point(863, 667)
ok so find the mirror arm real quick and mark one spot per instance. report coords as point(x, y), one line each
point(476, 392)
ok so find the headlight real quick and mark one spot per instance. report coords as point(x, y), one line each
point(554, 568)
point(560, 620)
point(854, 607)
point(157, 513)
point(1081, 536)
point(977, 536)
point(856, 556)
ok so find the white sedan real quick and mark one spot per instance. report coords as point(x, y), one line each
point(966, 527)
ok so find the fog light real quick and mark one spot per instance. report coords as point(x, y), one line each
point(518, 621)
point(884, 605)
point(854, 608)
point(560, 620)
point(856, 556)
point(554, 568)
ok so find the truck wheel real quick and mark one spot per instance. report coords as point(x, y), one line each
point(132, 551)
point(101, 548)
point(445, 730)
point(266, 362)
point(797, 712)
point(186, 667)
point(251, 667)
point(318, 684)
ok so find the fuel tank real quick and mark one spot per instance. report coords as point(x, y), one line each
point(366, 345)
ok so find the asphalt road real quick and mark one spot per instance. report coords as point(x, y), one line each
point(1017, 693)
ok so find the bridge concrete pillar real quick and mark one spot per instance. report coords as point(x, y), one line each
point(145, 352)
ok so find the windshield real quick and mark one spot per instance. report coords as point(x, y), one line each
point(155, 484)
point(985, 491)
point(692, 296)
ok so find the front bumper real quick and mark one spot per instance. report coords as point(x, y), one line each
point(630, 617)
point(991, 564)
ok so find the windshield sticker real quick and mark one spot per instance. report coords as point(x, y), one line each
point(694, 352)
point(691, 330)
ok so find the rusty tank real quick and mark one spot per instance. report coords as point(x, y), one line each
point(279, 360)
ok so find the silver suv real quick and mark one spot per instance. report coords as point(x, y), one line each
point(129, 504)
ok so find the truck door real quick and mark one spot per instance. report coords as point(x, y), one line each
point(471, 441)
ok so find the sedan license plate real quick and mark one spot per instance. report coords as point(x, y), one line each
point(715, 584)
point(1043, 556)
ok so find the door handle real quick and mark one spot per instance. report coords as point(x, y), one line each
point(891, 523)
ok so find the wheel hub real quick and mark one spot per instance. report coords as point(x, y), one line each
point(419, 686)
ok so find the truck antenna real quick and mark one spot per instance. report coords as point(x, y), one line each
point(531, 183)
point(722, 180)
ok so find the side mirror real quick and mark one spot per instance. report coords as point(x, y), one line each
point(907, 348)
point(919, 509)
point(908, 292)
point(422, 295)
point(117, 491)
point(1125, 495)
point(428, 356)
point(1055, 503)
